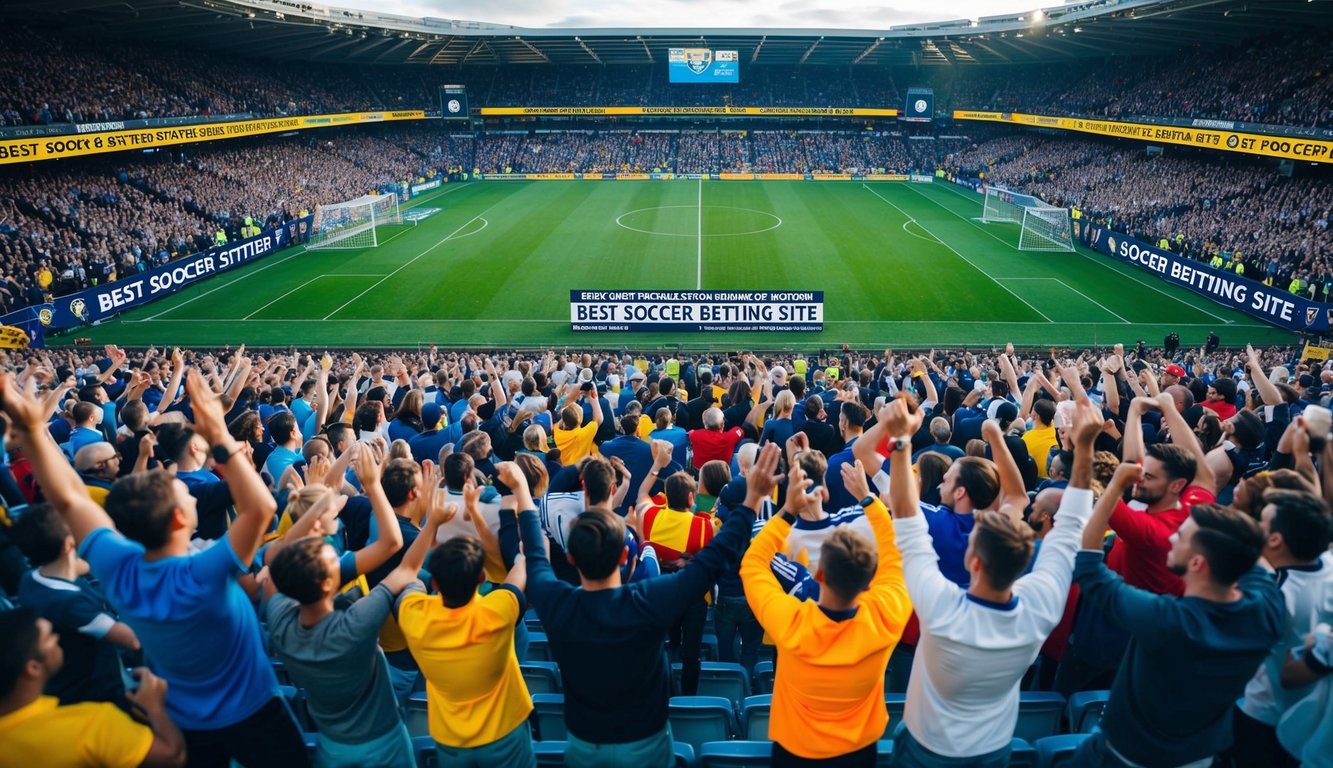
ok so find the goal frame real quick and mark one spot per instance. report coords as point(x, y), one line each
point(1046, 228)
point(359, 233)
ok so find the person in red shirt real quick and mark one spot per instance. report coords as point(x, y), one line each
point(713, 442)
point(1222, 398)
point(1175, 477)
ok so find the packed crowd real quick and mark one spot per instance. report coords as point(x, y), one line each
point(63, 231)
point(1276, 79)
point(1277, 226)
point(1280, 80)
point(704, 152)
point(399, 534)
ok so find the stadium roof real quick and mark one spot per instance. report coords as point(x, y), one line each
point(306, 31)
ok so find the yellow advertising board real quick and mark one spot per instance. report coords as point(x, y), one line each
point(75, 145)
point(1284, 147)
point(743, 111)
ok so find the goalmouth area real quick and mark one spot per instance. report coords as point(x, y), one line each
point(900, 264)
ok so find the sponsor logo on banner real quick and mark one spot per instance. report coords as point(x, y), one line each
point(45, 316)
point(1311, 352)
point(1272, 305)
point(696, 311)
point(417, 189)
point(698, 59)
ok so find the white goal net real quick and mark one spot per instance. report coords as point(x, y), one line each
point(1044, 227)
point(354, 223)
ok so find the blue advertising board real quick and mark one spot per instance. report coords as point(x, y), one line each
point(703, 65)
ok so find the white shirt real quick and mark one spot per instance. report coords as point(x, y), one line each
point(809, 535)
point(962, 698)
point(1305, 592)
point(558, 512)
point(489, 510)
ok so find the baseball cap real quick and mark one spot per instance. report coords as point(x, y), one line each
point(430, 415)
point(1306, 381)
point(635, 373)
point(585, 375)
point(1176, 371)
point(1006, 412)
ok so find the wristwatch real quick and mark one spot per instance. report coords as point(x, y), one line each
point(221, 454)
point(898, 444)
point(867, 501)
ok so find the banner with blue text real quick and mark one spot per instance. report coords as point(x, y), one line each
point(696, 311)
point(1268, 303)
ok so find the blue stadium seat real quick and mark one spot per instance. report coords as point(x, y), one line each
point(717, 678)
point(763, 677)
point(533, 621)
point(684, 755)
point(883, 753)
point(1085, 710)
point(697, 720)
point(899, 670)
point(1055, 751)
point(311, 741)
point(424, 749)
point(1039, 714)
point(295, 700)
point(896, 703)
point(541, 676)
point(550, 754)
point(538, 650)
point(708, 650)
point(548, 715)
point(415, 715)
point(1022, 754)
point(754, 716)
point(280, 670)
point(735, 754)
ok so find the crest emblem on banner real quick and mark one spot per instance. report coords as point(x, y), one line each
point(1110, 243)
point(1310, 314)
point(1330, 317)
point(79, 308)
point(45, 316)
point(698, 59)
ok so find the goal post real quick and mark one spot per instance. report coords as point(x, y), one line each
point(1046, 229)
point(354, 223)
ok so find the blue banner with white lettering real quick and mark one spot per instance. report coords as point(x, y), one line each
point(100, 302)
point(696, 311)
point(1271, 304)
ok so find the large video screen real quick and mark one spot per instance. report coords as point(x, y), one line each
point(703, 65)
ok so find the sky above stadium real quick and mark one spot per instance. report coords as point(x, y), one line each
point(822, 14)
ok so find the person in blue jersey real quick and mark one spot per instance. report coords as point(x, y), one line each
point(187, 608)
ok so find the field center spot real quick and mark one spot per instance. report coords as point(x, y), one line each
point(683, 221)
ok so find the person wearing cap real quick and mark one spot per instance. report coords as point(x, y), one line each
point(1005, 414)
point(1172, 374)
point(634, 381)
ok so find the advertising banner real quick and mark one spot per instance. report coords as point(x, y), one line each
point(1287, 148)
point(696, 311)
point(741, 111)
point(28, 150)
point(1270, 304)
point(103, 301)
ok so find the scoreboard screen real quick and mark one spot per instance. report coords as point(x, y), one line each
point(919, 107)
point(703, 65)
point(453, 102)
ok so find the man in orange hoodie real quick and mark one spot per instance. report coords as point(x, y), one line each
point(828, 698)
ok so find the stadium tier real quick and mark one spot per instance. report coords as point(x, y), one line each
point(397, 392)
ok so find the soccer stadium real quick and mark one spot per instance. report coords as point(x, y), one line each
point(696, 384)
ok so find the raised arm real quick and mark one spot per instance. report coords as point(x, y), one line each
point(254, 504)
point(1126, 475)
point(177, 372)
point(1183, 436)
point(661, 457)
point(902, 421)
point(1131, 448)
point(60, 484)
point(1268, 391)
point(1013, 493)
point(390, 538)
point(415, 556)
point(596, 406)
point(1007, 369)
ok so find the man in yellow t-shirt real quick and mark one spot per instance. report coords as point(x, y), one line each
point(572, 437)
point(464, 645)
point(35, 730)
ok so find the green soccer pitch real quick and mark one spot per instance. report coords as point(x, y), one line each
point(900, 265)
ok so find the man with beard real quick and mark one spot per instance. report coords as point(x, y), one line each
point(1174, 478)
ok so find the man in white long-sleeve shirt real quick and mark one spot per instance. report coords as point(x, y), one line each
point(976, 643)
